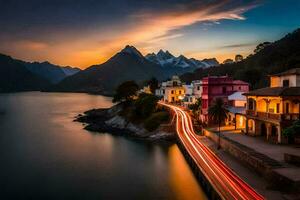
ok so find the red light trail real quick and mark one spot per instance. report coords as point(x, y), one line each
point(227, 183)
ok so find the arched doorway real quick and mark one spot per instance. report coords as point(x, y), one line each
point(263, 129)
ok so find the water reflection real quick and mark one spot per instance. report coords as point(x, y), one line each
point(44, 154)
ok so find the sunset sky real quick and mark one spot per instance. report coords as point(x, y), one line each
point(85, 32)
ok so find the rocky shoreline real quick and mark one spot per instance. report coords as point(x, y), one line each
point(109, 120)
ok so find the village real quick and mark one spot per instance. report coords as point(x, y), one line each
point(260, 127)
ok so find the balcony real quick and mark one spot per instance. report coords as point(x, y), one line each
point(273, 116)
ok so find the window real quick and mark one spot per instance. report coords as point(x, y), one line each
point(172, 91)
point(240, 87)
point(287, 108)
point(286, 83)
point(277, 107)
point(175, 83)
point(163, 91)
point(179, 91)
point(198, 87)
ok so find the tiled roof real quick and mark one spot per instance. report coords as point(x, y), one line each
point(275, 91)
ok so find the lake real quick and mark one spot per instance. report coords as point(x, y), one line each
point(45, 155)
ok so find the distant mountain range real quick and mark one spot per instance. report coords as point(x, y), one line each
point(129, 64)
point(166, 59)
point(267, 59)
point(17, 75)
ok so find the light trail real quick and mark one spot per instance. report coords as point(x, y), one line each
point(227, 183)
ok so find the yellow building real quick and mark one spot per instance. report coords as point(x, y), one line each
point(174, 94)
point(171, 91)
point(271, 109)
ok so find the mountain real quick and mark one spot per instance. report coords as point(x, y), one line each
point(273, 58)
point(166, 59)
point(15, 77)
point(128, 64)
point(69, 71)
point(48, 71)
point(51, 72)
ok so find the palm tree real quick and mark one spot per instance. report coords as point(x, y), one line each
point(218, 113)
point(196, 108)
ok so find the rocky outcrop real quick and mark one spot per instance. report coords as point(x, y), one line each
point(111, 121)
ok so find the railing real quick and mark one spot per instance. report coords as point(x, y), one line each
point(273, 116)
point(251, 112)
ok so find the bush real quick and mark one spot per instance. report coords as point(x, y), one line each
point(153, 122)
point(292, 131)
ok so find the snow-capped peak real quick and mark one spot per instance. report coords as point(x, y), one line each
point(166, 59)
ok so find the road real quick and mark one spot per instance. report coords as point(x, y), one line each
point(227, 184)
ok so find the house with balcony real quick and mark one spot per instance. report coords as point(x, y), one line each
point(171, 91)
point(271, 109)
point(219, 87)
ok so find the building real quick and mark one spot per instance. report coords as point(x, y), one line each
point(146, 89)
point(219, 87)
point(271, 109)
point(171, 91)
point(237, 110)
point(189, 97)
point(197, 88)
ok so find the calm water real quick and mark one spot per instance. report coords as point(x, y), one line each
point(44, 155)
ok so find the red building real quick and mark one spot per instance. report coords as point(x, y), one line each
point(219, 87)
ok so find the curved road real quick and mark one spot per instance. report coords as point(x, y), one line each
point(227, 184)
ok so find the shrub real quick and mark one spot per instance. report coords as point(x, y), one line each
point(292, 131)
point(153, 122)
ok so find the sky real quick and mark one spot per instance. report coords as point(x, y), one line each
point(85, 32)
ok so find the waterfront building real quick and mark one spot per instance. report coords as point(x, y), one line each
point(271, 109)
point(219, 87)
point(171, 91)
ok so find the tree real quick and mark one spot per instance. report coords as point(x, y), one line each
point(261, 46)
point(292, 131)
point(125, 91)
point(145, 105)
point(153, 84)
point(196, 107)
point(218, 113)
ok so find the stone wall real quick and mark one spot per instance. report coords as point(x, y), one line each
point(255, 161)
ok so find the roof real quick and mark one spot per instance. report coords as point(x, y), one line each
point(275, 91)
point(294, 71)
point(237, 110)
point(237, 96)
point(239, 82)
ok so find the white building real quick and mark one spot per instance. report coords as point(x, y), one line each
point(237, 110)
point(171, 91)
point(197, 88)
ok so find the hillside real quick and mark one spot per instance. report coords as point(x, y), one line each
point(279, 56)
point(15, 77)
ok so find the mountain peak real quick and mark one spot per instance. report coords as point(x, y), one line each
point(132, 50)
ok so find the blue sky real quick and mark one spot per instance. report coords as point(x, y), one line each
point(82, 33)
